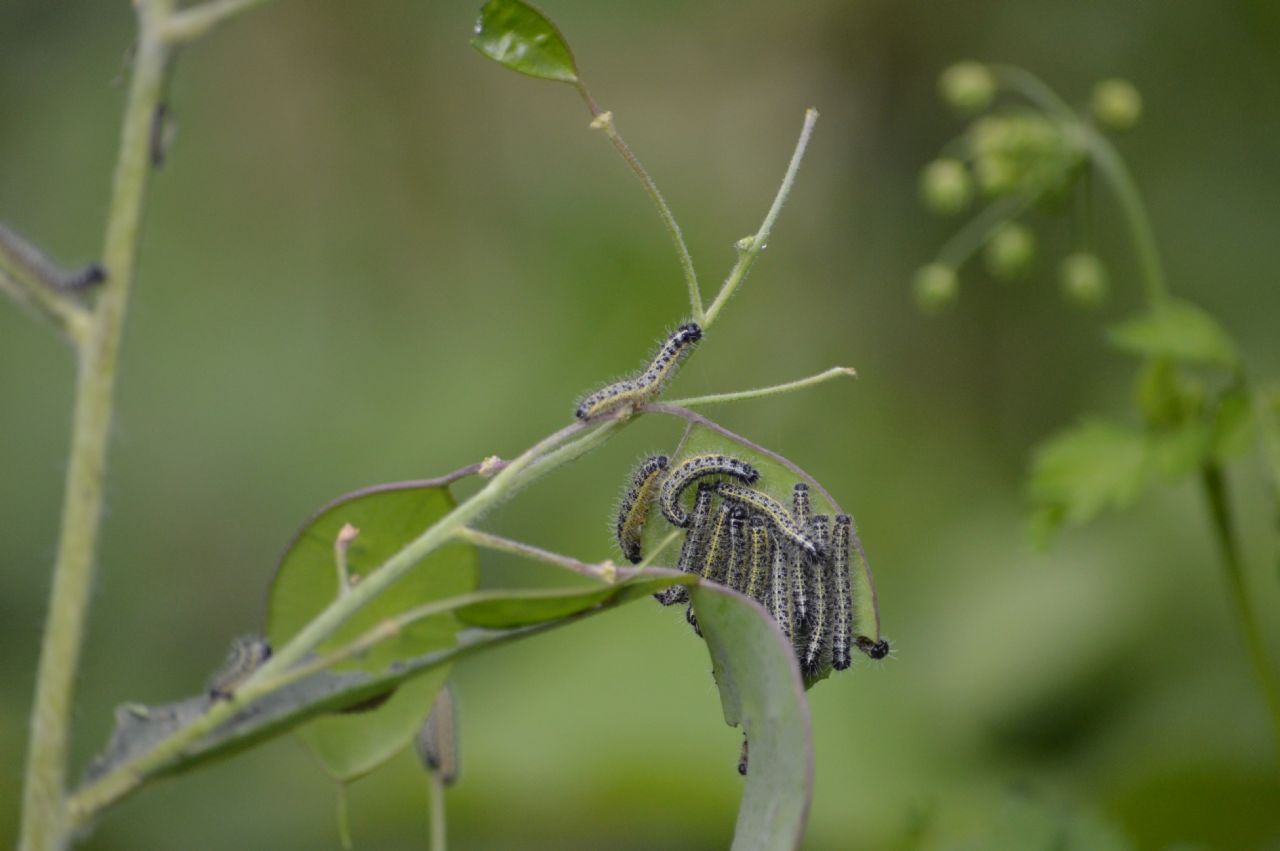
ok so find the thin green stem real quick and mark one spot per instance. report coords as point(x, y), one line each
point(648, 560)
point(529, 551)
point(343, 807)
point(765, 392)
point(43, 816)
point(603, 120)
point(1214, 484)
point(438, 830)
point(1117, 174)
point(193, 22)
point(750, 248)
point(65, 313)
point(966, 241)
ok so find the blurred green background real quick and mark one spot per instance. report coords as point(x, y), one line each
point(374, 255)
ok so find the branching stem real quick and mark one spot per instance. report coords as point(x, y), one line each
point(765, 392)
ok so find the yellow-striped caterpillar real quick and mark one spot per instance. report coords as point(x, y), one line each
point(780, 518)
point(634, 392)
point(801, 573)
point(634, 510)
point(246, 656)
point(688, 472)
point(817, 651)
point(736, 572)
point(759, 560)
point(691, 551)
point(842, 628)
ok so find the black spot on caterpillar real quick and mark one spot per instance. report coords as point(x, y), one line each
point(633, 392)
point(742, 757)
point(692, 549)
point(246, 656)
point(874, 649)
point(772, 509)
point(842, 627)
point(693, 620)
point(634, 510)
point(692, 469)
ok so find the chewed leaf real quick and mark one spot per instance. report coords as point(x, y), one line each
point(520, 37)
point(761, 690)
point(1088, 468)
point(387, 518)
point(1179, 331)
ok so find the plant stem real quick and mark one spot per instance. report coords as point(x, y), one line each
point(436, 783)
point(764, 392)
point(43, 817)
point(194, 21)
point(755, 244)
point(1112, 166)
point(344, 818)
point(36, 282)
point(1214, 484)
point(519, 548)
point(603, 120)
point(975, 234)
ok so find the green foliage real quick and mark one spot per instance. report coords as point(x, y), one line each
point(1179, 331)
point(1090, 467)
point(520, 37)
point(760, 689)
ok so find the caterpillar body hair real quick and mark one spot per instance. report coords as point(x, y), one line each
point(759, 557)
point(818, 644)
point(633, 392)
point(634, 510)
point(689, 471)
point(842, 622)
point(781, 519)
point(800, 508)
point(801, 573)
point(735, 575)
point(246, 656)
point(716, 552)
point(780, 591)
point(692, 550)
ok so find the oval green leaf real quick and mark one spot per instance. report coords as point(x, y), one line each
point(761, 690)
point(1179, 331)
point(520, 37)
point(388, 517)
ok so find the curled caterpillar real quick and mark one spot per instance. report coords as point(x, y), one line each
point(633, 392)
point(692, 469)
point(780, 518)
point(634, 510)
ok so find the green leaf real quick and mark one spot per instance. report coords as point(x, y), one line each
point(761, 690)
point(525, 608)
point(139, 729)
point(520, 37)
point(388, 517)
point(1179, 331)
point(1088, 468)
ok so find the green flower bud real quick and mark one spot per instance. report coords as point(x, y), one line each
point(936, 287)
point(945, 186)
point(996, 174)
point(1116, 104)
point(1011, 251)
point(1083, 279)
point(967, 87)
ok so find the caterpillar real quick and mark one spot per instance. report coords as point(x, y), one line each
point(759, 557)
point(692, 469)
point(780, 595)
point(246, 656)
point(691, 550)
point(801, 575)
point(736, 572)
point(634, 510)
point(778, 516)
point(633, 392)
point(715, 555)
point(843, 620)
point(816, 653)
point(874, 649)
point(437, 740)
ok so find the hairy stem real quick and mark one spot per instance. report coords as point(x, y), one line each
point(765, 392)
point(603, 120)
point(43, 827)
point(748, 252)
point(1213, 482)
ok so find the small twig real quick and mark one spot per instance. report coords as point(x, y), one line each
point(341, 544)
point(519, 548)
point(657, 551)
point(763, 392)
point(37, 283)
point(603, 120)
point(438, 830)
point(193, 22)
point(751, 247)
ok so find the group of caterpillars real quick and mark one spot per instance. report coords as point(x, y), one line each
point(793, 562)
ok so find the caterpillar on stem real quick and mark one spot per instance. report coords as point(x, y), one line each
point(630, 393)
